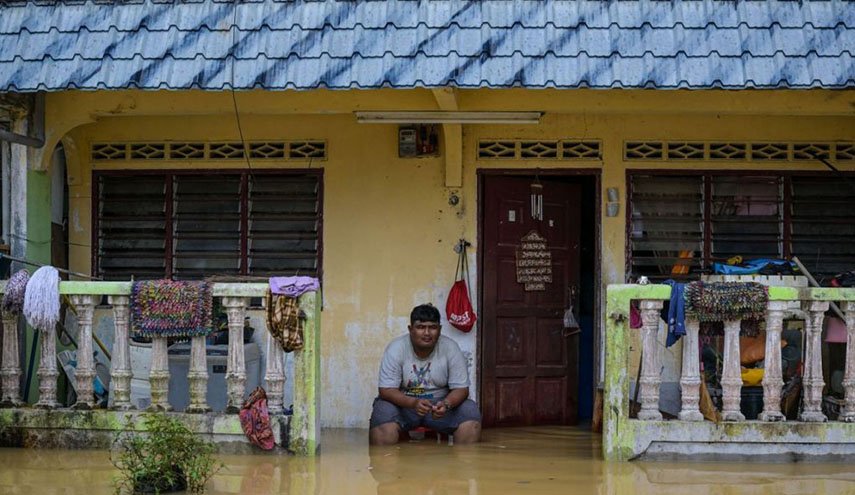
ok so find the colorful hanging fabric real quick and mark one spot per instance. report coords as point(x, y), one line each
point(712, 303)
point(41, 299)
point(166, 308)
point(293, 286)
point(16, 287)
point(284, 321)
point(255, 420)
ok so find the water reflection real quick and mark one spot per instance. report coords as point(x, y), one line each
point(512, 461)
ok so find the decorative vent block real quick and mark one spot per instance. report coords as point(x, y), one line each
point(148, 151)
point(308, 149)
point(580, 150)
point(267, 150)
point(808, 151)
point(109, 151)
point(644, 151)
point(539, 150)
point(226, 150)
point(736, 151)
point(685, 151)
point(845, 151)
point(728, 151)
point(256, 150)
point(186, 151)
point(497, 149)
point(771, 151)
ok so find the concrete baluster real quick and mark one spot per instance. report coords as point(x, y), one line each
point(848, 413)
point(120, 364)
point(650, 363)
point(10, 371)
point(47, 372)
point(731, 375)
point(159, 375)
point(197, 375)
point(274, 376)
point(84, 373)
point(236, 364)
point(773, 380)
point(690, 377)
point(813, 381)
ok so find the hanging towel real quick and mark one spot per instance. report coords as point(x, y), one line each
point(16, 287)
point(166, 308)
point(293, 286)
point(284, 321)
point(41, 299)
point(634, 317)
point(255, 420)
point(674, 313)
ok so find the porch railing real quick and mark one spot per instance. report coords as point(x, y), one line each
point(626, 438)
point(304, 426)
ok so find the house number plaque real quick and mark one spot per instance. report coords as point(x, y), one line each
point(534, 262)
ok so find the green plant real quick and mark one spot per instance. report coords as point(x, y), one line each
point(166, 457)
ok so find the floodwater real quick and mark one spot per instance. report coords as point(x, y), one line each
point(540, 461)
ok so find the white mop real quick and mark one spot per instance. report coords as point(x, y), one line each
point(41, 300)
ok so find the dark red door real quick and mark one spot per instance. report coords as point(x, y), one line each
point(529, 374)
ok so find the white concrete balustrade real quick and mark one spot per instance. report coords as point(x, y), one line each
point(235, 299)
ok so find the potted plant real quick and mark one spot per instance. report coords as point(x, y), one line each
point(167, 457)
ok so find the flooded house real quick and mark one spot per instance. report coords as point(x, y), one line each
point(371, 144)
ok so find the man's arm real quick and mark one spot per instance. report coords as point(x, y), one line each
point(400, 399)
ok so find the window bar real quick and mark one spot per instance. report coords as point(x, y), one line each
point(706, 261)
point(244, 223)
point(168, 224)
point(787, 217)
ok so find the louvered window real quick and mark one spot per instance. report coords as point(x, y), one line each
point(680, 224)
point(190, 225)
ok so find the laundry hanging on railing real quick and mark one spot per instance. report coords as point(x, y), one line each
point(284, 318)
point(166, 308)
point(255, 420)
point(293, 286)
point(674, 314)
point(41, 299)
point(16, 288)
point(712, 303)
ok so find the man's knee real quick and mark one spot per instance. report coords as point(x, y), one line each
point(385, 434)
point(468, 432)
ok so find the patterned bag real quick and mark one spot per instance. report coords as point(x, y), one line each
point(284, 322)
point(255, 420)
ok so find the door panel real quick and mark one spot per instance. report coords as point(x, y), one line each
point(529, 373)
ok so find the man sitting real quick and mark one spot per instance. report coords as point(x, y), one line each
point(424, 382)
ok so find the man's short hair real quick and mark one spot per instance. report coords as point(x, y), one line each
point(424, 312)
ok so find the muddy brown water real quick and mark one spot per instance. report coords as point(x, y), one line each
point(509, 461)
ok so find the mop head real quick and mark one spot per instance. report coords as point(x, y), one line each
point(16, 287)
point(41, 301)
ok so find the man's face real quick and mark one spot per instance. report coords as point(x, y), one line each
point(424, 334)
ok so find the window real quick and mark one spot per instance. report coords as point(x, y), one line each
point(680, 223)
point(190, 225)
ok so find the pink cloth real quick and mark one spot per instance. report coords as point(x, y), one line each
point(634, 317)
point(293, 286)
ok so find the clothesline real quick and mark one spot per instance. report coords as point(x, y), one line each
point(61, 270)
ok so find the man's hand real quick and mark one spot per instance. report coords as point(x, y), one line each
point(423, 406)
point(438, 410)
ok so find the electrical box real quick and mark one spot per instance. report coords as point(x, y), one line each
point(407, 142)
point(415, 141)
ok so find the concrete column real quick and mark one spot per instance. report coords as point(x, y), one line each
point(47, 372)
point(236, 364)
point(650, 361)
point(731, 375)
point(848, 414)
point(274, 376)
point(159, 375)
point(10, 370)
point(197, 376)
point(813, 382)
point(120, 365)
point(85, 372)
point(773, 380)
point(690, 377)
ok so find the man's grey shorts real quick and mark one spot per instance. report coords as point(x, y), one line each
point(386, 412)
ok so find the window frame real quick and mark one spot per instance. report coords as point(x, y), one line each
point(786, 202)
point(169, 214)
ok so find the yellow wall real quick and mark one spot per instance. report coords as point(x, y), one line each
point(388, 227)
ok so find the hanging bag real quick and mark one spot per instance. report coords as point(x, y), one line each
point(458, 308)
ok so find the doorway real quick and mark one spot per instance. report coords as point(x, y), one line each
point(535, 370)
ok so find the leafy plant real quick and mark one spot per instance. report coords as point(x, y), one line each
point(167, 457)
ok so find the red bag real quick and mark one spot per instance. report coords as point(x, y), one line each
point(458, 308)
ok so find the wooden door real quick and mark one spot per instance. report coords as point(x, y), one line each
point(529, 374)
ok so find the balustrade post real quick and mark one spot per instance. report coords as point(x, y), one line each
point(731, 375)
point(813, 381)
point(198, 376)
point(10, 370)
point(236, 364)
point(274, 376)
point(84, 373)
point(120, 364)
point(690, 377)
point(773, 380)
point(47, 372)
point(848, 413)
point(159, 375)
point(650, 361)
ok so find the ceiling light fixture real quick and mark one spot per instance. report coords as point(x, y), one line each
point(448, 117)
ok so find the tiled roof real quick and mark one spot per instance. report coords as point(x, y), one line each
point(302, 44)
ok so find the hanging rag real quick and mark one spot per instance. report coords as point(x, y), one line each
point(284, 321)
point(635, 316)
point(166, 308)
point(674, 313)
point(16, 287)
point(712, 303)
point(255, 420)
point(41, 299)
point(293, 286)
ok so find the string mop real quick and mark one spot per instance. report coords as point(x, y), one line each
point(41, 301)
point(16, 287)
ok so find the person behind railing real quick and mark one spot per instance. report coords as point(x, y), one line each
point(424, 382)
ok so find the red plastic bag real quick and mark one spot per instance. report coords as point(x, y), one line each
point(458, 308)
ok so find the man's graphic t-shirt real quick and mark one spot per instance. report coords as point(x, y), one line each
point(429, 378)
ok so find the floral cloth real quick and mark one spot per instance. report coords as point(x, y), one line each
point(166, 308)
point(255, 420)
